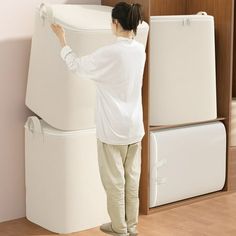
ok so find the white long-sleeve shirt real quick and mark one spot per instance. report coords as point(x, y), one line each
point(117, 70)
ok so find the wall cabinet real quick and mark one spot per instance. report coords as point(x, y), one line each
point(224, 17)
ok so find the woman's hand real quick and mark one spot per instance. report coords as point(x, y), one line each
point(60, 33)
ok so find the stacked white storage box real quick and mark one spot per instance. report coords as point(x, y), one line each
point(55, 94)
point(190, 160)
point(182, 69)
point(63, 189)
point(64, 192)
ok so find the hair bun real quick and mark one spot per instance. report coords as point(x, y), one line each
point(128, 15)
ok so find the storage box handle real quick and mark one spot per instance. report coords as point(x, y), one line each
point(46, 13)
point(202, 13)
point(34, 125)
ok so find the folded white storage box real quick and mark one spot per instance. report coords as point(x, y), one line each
point(182, 69)
point(186, 162)
point(233, 123)
point(64, 192)
point(62, 99)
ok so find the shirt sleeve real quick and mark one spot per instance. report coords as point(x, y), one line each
point(90, 66)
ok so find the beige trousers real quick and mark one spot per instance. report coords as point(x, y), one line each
point(120, 168)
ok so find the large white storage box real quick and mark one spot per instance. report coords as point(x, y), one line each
point(54, 93)
point(233, 123)
point(64, 192)
point(186, 162)
point(182, 69)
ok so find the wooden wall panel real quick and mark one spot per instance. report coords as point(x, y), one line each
point(234, 59)
point(144, 179)
point(167, 7)
point(232, 169)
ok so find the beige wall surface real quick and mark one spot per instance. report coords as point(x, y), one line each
point(16, 28)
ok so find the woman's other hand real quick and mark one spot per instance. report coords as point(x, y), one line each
point(60, 33)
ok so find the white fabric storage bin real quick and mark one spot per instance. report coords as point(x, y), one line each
point(186, 162)
point(62, 99)
point(182, 69)
point(64, 192)
point(233, 123)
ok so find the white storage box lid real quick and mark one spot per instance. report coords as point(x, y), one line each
point(90, 17)
point(36, 125)
point(198, 17)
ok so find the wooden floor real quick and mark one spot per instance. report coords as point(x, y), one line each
point(214, 217)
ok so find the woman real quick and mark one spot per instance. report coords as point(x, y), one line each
point(117, 70)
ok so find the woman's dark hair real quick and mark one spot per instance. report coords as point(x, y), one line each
point(128, 15)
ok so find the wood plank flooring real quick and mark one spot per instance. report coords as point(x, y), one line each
point(211, 217)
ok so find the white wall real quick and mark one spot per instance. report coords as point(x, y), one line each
point(17, 17)
point(16, 27)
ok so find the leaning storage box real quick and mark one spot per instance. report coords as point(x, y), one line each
point(61, 98)
point(186, 162)
point(182, 69)
point(64, 192)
